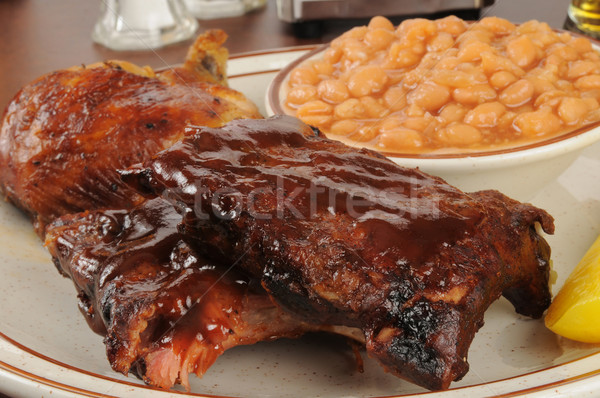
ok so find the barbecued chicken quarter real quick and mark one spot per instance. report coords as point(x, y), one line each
point(64, 135)
point(166, 312)
point(344, 236)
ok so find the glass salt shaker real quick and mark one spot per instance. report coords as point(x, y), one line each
point(143, 24)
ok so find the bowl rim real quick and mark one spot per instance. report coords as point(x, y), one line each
point(575, 139)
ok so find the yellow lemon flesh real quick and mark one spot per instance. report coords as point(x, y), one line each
point(575, 311)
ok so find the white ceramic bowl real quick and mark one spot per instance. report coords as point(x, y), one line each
point(519, 172)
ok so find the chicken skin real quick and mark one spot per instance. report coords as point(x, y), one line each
point(64, 135)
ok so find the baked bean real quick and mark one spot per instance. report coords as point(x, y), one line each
point(428, 84)
point(485, 115)
point(561, 69)
point(588, 82)
point(534, 26)
point(506, 121)
point(442, 41)
point(592, 56)
point(472, 69)
point(592, 117)
point(452, 113)
point(543, 39)
point(390, 123)
point(581, 45)
point(428, 62)
point(491, 63)
point(521, 51)
point(528, 107)
point(355, 51)
point(472, 51)
point(315, 113)
point(418, 123)
point(379, 22)
point(338, 42)
point(301, 94)
point(395, 76)
point(497, 25)
point(537, 123)
point(412, 78)
point(571, 110)
point(414, 110)
point(564, 85)
point(550, 72)
point(367, 80)
point(555, 61)
point(344, 127)
point(564, 37)
point(581, 68)
point(373, 109)
point(400, 57)
point(451, 24)
point(475, 94)
point(322, 68)
point(379, 38)
point(502, 79)
point(350, 109)
point(399, 139)
point(414, 30)
point(563, 51)
point(540, 85)
point(517, 93)
point(592, 103)
point(419, 48)
point(301, 76)
point(449, 62)
point(550, 97)
point(593, 93)
point(475, 36)
point(345, 73)
point(455, 78)
point(430, 96)
point(395, 98)
point(547, 107)
point(358, 32)
point(460, 134)
point(332, 55)
point(333, 91)
point(365, 133)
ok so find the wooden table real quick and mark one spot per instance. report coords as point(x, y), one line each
point(39, 36)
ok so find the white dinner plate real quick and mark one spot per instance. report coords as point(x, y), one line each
point(47, 348)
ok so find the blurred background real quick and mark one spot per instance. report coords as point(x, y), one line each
point(38, 36)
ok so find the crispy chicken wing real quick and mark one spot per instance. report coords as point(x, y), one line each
point(64, 135)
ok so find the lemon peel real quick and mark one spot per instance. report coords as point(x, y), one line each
point(575, 311)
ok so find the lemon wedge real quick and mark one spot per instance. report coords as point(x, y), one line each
point(575, 311)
